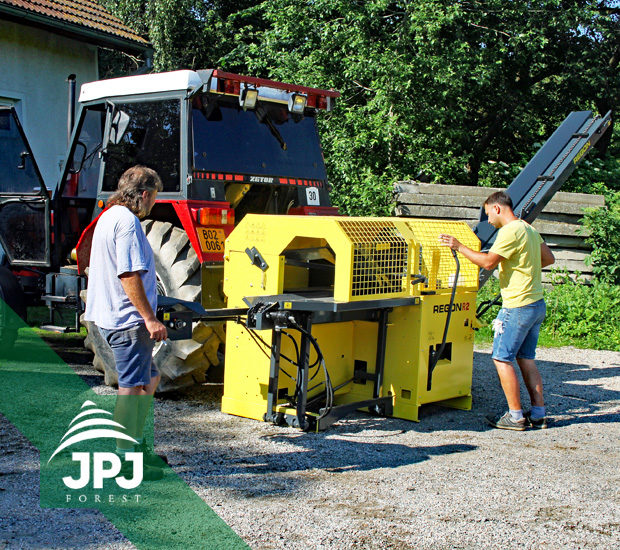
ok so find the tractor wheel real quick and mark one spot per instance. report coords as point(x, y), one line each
point(104, 358)
point(181, 363)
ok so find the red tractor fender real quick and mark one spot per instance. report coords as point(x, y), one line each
point(84, 244)
point(187, 212)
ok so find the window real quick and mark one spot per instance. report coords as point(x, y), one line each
point(85, 159)
point(17, 169)
point(267, 141)
point(152, 139)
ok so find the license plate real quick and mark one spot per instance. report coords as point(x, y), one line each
point(211, 239)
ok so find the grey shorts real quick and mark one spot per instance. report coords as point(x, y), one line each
point(133, 353)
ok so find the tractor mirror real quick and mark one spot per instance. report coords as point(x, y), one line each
point(120, 121)
point(79, 156)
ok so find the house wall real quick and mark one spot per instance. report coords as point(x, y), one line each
point(34, 65)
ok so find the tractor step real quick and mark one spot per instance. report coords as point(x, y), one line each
point(59, 299)
point(57, 328)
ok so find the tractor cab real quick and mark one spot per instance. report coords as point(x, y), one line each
point(224, 145)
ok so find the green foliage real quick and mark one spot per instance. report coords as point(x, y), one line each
point(488, 292)
point(604, 228)
point(588, 315)
point(455, 90)
point(578, 314)
point(598, 176)
point(186, 34)
point(459, 91)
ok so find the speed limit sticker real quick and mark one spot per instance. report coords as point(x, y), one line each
point(312, 195)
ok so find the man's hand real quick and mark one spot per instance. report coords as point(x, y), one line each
point(449, 240)
point(157, 331)
point(133, 287)
point(486, 260)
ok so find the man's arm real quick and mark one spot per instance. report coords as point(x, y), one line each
point(546, 256)
point(133, 287)
point(485, 260)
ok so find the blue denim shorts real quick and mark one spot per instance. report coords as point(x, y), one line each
point(133, 353)
point(516, 331)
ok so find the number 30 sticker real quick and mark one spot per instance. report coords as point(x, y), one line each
point(312, 195)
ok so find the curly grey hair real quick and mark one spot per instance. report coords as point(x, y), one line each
point(131, 185)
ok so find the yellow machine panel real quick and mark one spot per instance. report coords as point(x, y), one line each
point(435, 262)
point(347, 313)
point(373, 255)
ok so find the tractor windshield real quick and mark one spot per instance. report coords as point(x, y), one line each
point(152, 138)
point(266, 141)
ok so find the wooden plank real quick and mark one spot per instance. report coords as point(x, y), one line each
point(581, 199)
point(547, 276)
point(554, 229)
point(564, 218)
point(436, 212)
point(439, 199)
point(559, 223)
point(471, 201)
point(565, 241)
point(550, 231)
point(438, 189)
point(545, 227)
point(566, 207)
point(563, 255)
point(571, 265)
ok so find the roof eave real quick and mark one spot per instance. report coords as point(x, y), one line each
point(77, 32)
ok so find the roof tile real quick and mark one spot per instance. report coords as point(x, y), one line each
point(85, 13)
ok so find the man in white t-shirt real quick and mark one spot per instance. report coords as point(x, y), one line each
point(122, 300)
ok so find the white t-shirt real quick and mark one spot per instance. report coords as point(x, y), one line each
point(119, 246)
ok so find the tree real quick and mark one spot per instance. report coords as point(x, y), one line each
point(437, 87)
point(453, 91)
point(186, 34)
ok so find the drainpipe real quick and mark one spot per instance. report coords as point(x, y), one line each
point(71, 107)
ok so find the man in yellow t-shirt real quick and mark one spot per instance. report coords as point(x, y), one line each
point(521, 254)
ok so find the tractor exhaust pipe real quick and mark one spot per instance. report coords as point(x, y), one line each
point(71, 106)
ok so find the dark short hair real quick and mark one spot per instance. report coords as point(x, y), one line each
point(499, 197)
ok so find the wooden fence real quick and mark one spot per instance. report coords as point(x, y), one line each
point(559, 222)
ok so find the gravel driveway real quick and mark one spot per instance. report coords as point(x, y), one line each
point(446, 482)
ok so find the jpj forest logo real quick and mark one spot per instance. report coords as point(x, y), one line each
point(95, 467)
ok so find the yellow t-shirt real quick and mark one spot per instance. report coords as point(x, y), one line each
point(520, 271)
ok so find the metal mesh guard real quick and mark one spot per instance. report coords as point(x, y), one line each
point(379, 257)
point(436, 261)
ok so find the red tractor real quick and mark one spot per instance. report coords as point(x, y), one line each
point(223, 144)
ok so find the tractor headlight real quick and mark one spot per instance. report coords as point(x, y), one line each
point(297, 103)
point(248, 97)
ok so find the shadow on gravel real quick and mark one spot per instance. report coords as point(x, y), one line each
point(317, 457)
point(574, 393)
point(69, 347)
point(337, 454)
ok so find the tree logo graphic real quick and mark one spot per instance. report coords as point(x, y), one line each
point(93, 423)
